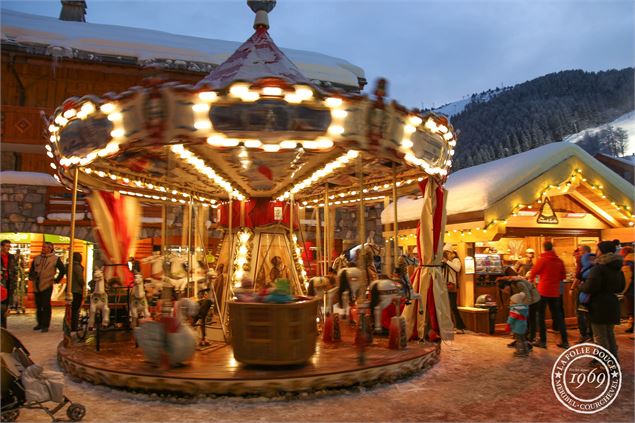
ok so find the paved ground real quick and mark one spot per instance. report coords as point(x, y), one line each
point(476, 380)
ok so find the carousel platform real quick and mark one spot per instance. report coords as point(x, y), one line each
point(120, 364)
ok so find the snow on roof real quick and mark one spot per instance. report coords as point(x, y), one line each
point(478, 187)
point(62, 37)
point(626, 122)
point(27, 178)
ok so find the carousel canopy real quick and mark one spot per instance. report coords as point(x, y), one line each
point(254, 127)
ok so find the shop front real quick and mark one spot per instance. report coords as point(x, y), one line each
point(498, 210)
point(27, 246)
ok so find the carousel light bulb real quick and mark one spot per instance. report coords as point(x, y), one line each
point(288, 144)
point(292, 98)
point(53, 138)
point(442, 128)
point(113, 177)
point(61, 120)
point(207, 95)
point(117, 133)
point(115, 117)
point(333, 102)
point(451, 152)
point(448, 136)
point(88, 108)
point(409, 129)
point(107, 108)
point(352, 154)
point(339, 113)
point(271, 148)
point(452, 143)
point(53, 128)
point(431, 125)
point(250, 96)
point(70, 113)
point(200, 108)
point(252, 143)
point(203, 124)
point(303, 92)
point(406, 143)
point(415, 120)
point(239, 89)
point(336, 130)
point(273, 91)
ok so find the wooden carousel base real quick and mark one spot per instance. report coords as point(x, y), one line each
point(120, 364)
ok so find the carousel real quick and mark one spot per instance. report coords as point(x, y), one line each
point(253, 143)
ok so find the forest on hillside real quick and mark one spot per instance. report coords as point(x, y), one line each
point(539, 112)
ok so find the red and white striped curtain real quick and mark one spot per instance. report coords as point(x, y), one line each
point(427, 278)
point(117, 224)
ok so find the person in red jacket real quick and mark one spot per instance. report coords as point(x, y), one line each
point(549, 269)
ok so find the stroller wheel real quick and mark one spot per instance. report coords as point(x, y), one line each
point(11, 415)
point(76, 412)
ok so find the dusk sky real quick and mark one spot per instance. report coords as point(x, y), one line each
point(431, 52)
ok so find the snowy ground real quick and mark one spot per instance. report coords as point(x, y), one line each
point(477, 379)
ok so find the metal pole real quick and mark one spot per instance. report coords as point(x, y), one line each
point(69, 275)
point(395, 226)
point(361, 224)
point(164, 229)
point(189, 247)
point(327, 231)
point(292, 205)
point(230, 265)
point(318, 241)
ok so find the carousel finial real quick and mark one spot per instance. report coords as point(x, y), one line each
point(261, 8)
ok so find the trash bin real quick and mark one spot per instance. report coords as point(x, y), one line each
point(486, 301)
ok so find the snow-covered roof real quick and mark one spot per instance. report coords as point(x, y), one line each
point(27, 178)
point(67, 39)
point(479, 187)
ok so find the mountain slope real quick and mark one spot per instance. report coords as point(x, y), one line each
point(539, 112)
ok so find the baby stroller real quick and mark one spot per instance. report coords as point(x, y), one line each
point(26, 385)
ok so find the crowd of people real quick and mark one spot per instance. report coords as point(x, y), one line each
point(601, 279)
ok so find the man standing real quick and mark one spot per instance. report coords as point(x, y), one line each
point(42, 273)
point(604, 282)
point(550, 271)
point(9, 280)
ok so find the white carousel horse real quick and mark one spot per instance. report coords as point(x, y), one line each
point(383, 292)
point(177, 274)
point(156, 261)
point(99, 301)
point(349, 282)
point(138, 305)
point(171, 338)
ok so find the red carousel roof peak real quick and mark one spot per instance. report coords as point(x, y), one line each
point(256, 58)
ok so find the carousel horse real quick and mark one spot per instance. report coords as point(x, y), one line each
point(177, 274)
point(156, 261)
point(170, 341)
point(384, 292)
point(348, 284)
point(99, 301)
point(138, 304)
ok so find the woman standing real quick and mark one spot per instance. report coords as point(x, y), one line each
point(451, 269)
point(605, 280)
point(77, 289)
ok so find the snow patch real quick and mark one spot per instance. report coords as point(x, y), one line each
point(27, 178)
point(626, 122)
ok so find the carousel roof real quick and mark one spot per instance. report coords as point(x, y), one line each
point(254, 127)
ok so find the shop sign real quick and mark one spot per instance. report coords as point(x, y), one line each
point(57, 239)
point(547, 215)
point(469, 265)
point(17, 238)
